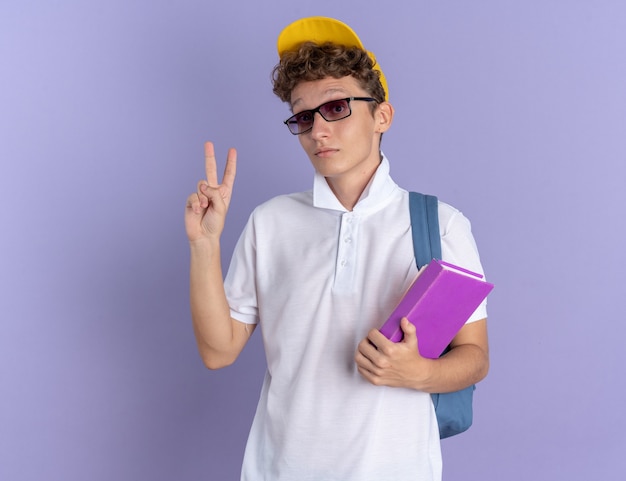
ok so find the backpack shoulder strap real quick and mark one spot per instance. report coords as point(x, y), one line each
point(424, 211)
point(453, 409)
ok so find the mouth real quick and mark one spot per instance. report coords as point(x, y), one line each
point(325, 152)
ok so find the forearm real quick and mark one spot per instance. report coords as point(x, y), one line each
point(461, 367)
point(218, 337)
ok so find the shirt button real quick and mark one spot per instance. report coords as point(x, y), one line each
point(343, 263)
point(347, 240)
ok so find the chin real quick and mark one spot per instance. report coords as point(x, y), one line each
point(328, 168)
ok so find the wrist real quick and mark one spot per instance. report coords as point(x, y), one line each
point(204, 242)
point(205, 247)
point(426, 375)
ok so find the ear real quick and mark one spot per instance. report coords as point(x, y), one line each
point(384, 117)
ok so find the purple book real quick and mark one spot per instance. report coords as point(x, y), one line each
point(439, 302)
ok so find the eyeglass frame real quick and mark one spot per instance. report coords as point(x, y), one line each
point(317, 110)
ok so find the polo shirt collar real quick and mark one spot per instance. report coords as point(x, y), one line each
point(376, 192)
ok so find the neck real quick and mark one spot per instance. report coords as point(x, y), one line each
point(348, 190)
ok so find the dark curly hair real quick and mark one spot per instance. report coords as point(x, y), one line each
point(315, 62)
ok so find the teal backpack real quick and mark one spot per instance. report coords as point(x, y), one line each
point(453, 409)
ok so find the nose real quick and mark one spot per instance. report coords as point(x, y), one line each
point(320, 126)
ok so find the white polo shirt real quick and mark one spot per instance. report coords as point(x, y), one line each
point(317, 278)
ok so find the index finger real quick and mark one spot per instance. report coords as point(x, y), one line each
point(377, 339)
point(210, 166)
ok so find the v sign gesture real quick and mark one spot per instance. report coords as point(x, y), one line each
point(220, 338)
point(206, 209)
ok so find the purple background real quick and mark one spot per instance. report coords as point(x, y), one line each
point(515, 112)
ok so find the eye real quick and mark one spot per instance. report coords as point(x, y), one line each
point(335, 110)
point(304, 117)
point(338, 107)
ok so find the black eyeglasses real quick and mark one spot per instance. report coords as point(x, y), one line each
point(330, 111)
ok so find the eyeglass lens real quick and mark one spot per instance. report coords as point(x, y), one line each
point(330, 111)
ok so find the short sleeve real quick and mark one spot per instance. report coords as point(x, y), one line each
point(459, 247)
point(240, 280)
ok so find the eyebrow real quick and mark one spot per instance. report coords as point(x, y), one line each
point(326, 93)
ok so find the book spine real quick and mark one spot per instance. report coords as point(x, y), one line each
point(410, 302)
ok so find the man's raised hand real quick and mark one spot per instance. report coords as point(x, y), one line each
point(206, 209)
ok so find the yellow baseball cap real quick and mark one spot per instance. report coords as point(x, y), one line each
point(320, 30)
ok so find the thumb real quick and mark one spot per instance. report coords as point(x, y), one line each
point(214, 198)
point(410, 337)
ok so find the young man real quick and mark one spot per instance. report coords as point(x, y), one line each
point(321, 271)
